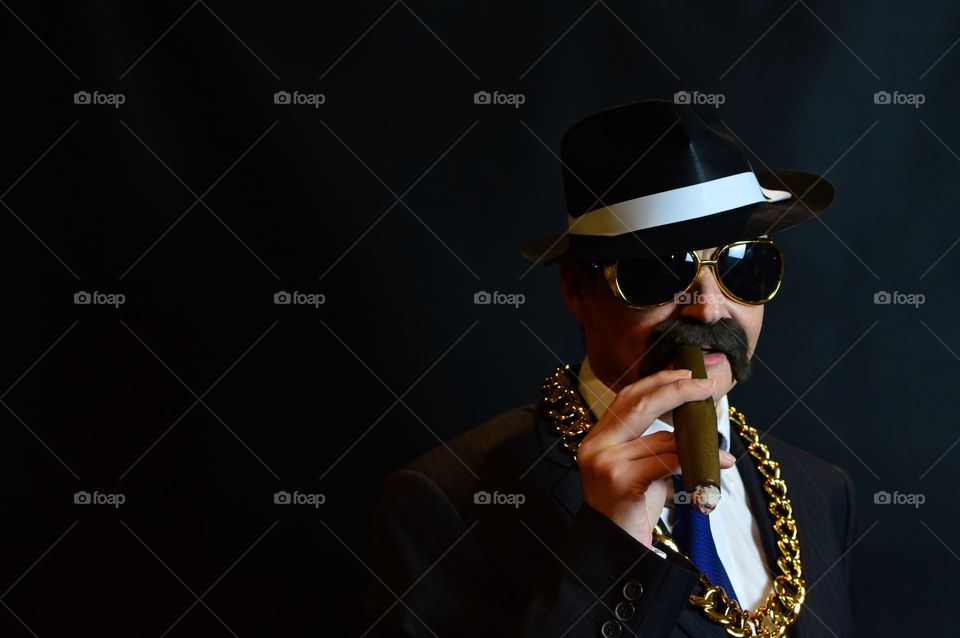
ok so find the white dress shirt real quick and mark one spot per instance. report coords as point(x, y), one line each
point(734, 529)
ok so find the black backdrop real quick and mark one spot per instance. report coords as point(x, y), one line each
point(397, 199)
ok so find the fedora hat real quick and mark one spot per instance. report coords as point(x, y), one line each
point(657, 176)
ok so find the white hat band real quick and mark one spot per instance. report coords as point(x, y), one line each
point(676, 205)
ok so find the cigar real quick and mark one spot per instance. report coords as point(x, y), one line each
point(695, 427)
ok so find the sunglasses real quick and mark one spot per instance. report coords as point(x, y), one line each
point(749, 272)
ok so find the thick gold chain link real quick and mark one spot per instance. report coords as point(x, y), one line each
point(572, 421)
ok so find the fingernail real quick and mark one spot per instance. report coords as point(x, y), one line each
point(726, 456)
point(706, 383)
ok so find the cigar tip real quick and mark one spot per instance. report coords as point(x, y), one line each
point(706, 497)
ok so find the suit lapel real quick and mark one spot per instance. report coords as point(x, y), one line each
point(567, 488)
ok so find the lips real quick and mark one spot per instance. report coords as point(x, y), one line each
point(713, 358)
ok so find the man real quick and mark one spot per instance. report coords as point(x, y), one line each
point(567, 517)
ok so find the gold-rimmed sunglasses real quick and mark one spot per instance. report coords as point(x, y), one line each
point(749, 272)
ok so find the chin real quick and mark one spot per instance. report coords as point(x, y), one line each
point(725, 381)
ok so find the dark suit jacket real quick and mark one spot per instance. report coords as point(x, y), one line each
point(554, 566)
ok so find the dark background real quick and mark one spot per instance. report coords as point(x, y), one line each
point(398, 199)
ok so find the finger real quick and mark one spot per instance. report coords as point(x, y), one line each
point(657, 466)
point(640, 447)
point(633, 419)
point(630, 394)
point(727, 460)
point(646, 384)
point(653, 468)
point(662, 465)
point(655, 443)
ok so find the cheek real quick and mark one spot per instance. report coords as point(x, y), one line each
point(626, 329)
point(752, 321)
point(634, 336)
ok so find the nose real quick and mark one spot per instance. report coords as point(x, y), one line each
point(706, 302)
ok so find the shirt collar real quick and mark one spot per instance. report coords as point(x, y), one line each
point(599, 397)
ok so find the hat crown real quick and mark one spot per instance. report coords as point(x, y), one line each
point(644, 148)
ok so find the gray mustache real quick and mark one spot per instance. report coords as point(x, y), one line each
point(725, 335)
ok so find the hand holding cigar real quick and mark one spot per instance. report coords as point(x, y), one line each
point(695, 427)
point(622, 469)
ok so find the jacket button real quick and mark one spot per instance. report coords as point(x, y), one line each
point(610, 629)
point(632, 590)
point(624, 611)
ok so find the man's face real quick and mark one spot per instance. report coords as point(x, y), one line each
point(620, 338)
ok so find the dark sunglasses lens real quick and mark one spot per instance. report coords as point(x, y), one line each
point(751, 271)
point(655, 280)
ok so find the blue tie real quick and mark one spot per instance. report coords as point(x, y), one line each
point(691, 531)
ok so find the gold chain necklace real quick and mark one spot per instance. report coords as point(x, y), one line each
point(572, 420)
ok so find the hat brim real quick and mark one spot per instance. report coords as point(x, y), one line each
point(811, 195)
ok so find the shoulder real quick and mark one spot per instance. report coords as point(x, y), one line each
point(821, 490)
point(800, 465)
point(824, 506)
